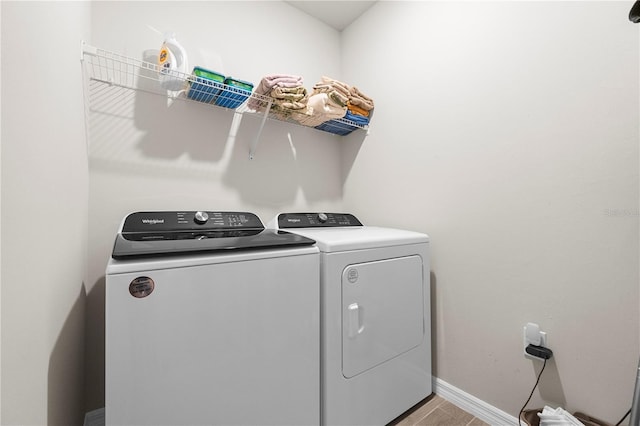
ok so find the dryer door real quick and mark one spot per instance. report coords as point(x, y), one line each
point(382, 311)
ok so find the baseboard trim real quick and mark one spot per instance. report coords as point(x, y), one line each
point(480, 409)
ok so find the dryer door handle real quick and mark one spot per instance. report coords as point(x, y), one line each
point(355, 326)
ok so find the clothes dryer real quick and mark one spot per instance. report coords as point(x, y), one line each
point(375, 317)
point(211, 319)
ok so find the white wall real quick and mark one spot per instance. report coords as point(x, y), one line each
point(44, 213)
point(145, 155)
point(508, 131)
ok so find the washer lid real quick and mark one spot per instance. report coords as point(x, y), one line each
point(146, 234)
point(359, 237)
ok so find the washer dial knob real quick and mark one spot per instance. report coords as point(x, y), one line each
point(322, 217)
point(201, 218)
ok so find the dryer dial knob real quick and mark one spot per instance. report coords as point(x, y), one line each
point(322, 217)
point(201, 218)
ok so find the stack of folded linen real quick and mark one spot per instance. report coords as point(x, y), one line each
point(356, 106)
point(360, 106)
point(328, 100)
point(288, 93)
point(289, 101)
point(337, 90)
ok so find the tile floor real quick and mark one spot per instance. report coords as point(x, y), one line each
point(436, 411)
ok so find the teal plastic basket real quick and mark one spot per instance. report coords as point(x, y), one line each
point(234, 93)
point(207, 85)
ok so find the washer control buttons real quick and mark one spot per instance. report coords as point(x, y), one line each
point(322, 217)
point(201, 218)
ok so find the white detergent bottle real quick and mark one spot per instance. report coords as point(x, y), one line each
point(172, 64)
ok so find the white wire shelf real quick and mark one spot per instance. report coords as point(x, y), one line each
point(118, 70)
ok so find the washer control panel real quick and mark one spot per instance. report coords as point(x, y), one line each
point(188, 224)
point(316, 220)
point(176, 233)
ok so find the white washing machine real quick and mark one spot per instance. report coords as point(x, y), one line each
point(211, 319)
point(375, 317)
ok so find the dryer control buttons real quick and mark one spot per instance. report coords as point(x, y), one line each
point(201, 218)
point(322, 217)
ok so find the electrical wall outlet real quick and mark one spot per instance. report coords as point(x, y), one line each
point(532, 335)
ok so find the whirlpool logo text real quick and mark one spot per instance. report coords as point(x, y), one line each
point(152, 221)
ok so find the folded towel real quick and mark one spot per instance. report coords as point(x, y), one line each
point(356, 118)
point(327, 88)
point(286, 107)
point(334, 84)
point(285, 114)
point(292, 98)
point(268, 83)
point(360, 99)
point(338, 98)
point(289, 93)
point(284, 104)
point(320, 108)
point(337, 95)
point(355, 109)
point(336, 90)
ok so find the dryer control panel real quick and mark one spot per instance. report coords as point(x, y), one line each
point(316, 220)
